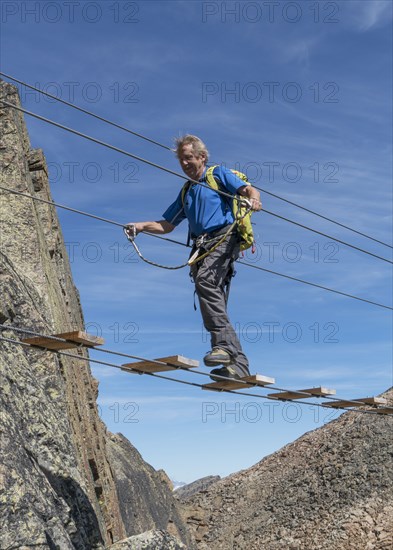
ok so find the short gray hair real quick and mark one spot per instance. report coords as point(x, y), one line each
point(197, 145)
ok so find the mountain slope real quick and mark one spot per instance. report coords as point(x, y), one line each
point(330, 489)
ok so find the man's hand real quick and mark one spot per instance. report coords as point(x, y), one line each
point(256, 204)
point(133, 228)
point(253, 195)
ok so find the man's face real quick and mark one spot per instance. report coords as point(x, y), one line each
point(192, 164)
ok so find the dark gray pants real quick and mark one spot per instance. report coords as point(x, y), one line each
point(209, 276)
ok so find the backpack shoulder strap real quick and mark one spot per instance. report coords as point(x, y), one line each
point(210, 179)
point(184, 190)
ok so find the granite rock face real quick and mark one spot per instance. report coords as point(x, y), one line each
point(330, 489)
point(58, 479)
point(145, 495)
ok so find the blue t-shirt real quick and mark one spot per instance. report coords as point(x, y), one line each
point(205, 209)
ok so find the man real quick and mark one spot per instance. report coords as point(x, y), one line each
point(209, 213)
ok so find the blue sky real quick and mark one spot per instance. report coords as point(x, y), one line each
point(299, 97)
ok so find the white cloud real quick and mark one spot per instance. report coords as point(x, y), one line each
point(370, 14)
point(300, 51)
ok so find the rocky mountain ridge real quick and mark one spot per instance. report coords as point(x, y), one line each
point(63, 475)
point(330, 489)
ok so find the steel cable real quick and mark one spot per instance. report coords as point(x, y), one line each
point(128, 130)
point(221, 390)
point(51, 203)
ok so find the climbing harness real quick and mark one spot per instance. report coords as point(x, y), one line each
point(201, 243)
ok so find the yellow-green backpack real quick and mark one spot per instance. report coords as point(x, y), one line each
point(239, 210)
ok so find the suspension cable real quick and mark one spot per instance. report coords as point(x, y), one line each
point(51, 203)
point(315, 284)
point(168, 170)
point(328, 236)
point(322, 216)
point(176, 367)
point(118, 150)
point(90, 113)
point(158, 362)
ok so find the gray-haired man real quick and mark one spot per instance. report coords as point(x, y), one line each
point(209, 213)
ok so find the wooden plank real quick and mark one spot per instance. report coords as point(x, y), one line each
point(253, 380)
point(340, 404)
point(382, 410)
point(74, 338)
point(80, 337)
point(300, 394)
point(359, 402)
point(373, 400)
point(180, 361)
point(168, 363)
point(259, 380)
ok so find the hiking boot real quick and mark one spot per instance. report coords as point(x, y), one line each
point(217, 356)
point(228, 372)
point(240, 370)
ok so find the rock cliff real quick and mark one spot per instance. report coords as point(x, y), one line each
point(62, 474)
point(330, 489)
point(157, 509)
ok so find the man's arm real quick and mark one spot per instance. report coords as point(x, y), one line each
point(253, 194)
point(160, 227)
point(235, 185)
